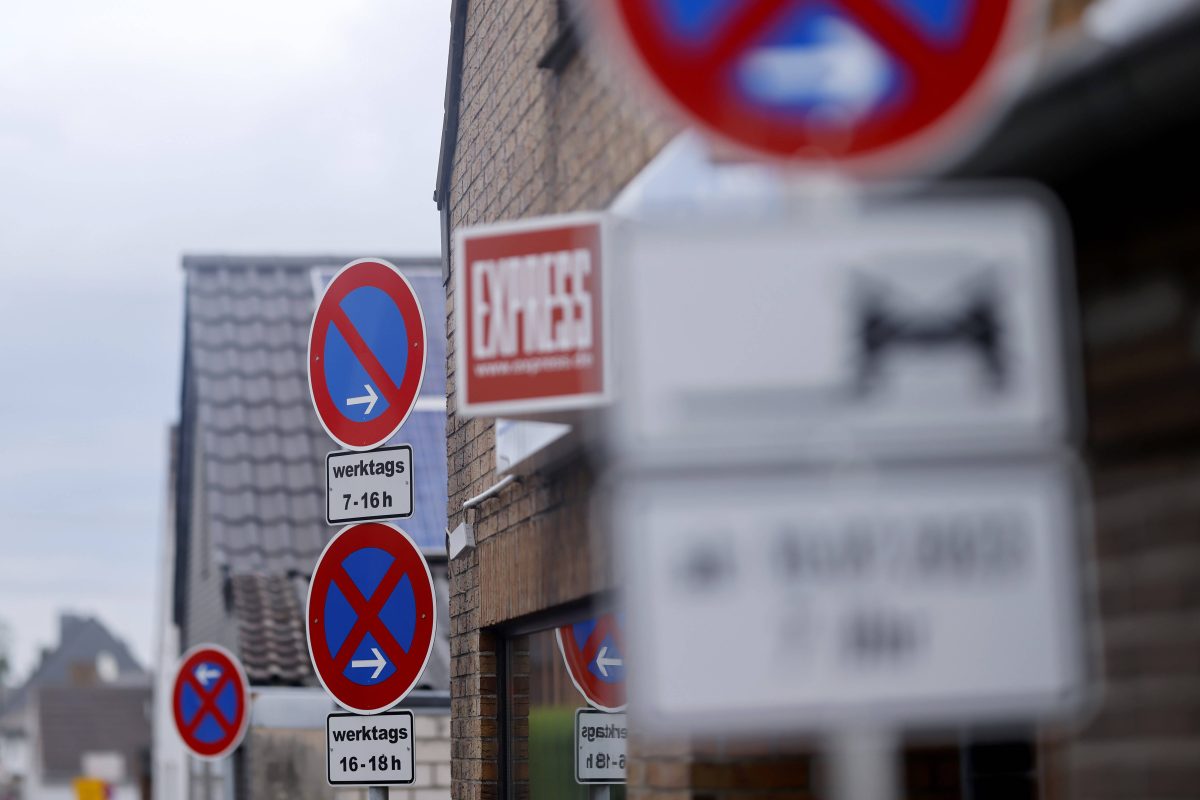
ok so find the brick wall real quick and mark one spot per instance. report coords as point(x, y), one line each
point(1139, 246)
point(531, 142)
point(432, 756)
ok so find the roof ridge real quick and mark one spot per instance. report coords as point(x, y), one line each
point(253, 460)
point(200, 261)
point(285, 371)
point(247, 519)
point(220, 292)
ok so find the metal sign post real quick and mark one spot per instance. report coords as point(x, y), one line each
point(862, 764)
point(371, 613)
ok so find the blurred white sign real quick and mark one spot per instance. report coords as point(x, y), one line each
point(798, 600)
point(929, 326)
point(107, 766)
point(600, 738)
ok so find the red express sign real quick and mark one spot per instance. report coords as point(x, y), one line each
point(529, 333)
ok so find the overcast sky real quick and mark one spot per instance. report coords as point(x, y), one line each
point(131, 132)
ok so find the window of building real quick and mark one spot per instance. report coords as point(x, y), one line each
point(539, 708)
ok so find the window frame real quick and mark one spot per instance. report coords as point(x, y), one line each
point(504, 636)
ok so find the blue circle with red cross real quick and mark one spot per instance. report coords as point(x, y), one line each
point(594, 653)
point(824, 80)
point(209, 701)
point(370, 617)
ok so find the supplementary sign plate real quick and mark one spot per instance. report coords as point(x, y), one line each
point(940, 596)
point(932, 326)
point(374, 750)
point(599, 746)
point(369, 486)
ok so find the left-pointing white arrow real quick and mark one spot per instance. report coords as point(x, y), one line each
point(603, 663)
point(367, 400)
point(379, 662)
point(204, 674)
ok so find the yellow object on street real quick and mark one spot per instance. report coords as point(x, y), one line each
point(91, 789)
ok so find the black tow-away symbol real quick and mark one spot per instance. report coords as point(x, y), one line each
point(886, 325)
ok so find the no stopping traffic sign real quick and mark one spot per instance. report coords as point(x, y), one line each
point(371, 617)
point(866, 84)
point(593, 652)
point(210, 700)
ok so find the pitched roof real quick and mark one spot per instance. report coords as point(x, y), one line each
point(248, 425)
point(81, 641)
point(72, 721)
point(270, 629)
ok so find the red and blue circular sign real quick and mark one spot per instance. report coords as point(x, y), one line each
point(371, 617)
point(210, 701)
point(594, 653)
point(366, 354)
point(868, 84)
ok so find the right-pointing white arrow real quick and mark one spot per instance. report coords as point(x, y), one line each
point(845, 71)
point(379, 662)
point(367, 400)
point(603, 663)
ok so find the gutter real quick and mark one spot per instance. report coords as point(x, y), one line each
point(445, 171)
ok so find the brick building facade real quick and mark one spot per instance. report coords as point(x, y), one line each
point(531, 140)
point(535, 126)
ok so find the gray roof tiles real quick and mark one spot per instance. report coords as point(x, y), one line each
point(270, 629)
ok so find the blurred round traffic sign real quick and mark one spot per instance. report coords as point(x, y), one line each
point(868, 85)
point(366, 354)
point(371, 617)
point(210, 701)
point(593, 651)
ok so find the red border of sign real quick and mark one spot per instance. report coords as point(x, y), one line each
point(382, 275)
point(965, 84)
point(381, 696)
point(600, 695)
point(187, 663)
